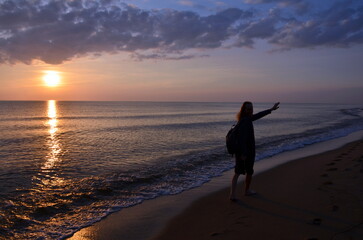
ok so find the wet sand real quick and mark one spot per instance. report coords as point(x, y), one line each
point(316, 197)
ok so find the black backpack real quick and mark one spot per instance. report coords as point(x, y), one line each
point(232, 139)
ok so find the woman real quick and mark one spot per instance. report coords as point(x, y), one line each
point(245, 157)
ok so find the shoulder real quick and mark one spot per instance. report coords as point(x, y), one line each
point(245, 119)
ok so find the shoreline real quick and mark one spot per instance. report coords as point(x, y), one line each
point(149, 218)
point(316, 197)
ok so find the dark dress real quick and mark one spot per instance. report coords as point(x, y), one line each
point(247, 140)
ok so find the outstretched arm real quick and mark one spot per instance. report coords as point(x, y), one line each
point(264, 113)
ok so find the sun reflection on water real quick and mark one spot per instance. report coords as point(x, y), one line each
point(49, 175)
point(53, 143)
point(44, 196)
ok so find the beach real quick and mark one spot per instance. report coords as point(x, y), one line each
point(124, 170)
point(317, 196)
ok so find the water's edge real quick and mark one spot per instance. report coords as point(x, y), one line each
point(145, 220)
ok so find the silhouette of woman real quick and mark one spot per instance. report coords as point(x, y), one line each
point(245, 157)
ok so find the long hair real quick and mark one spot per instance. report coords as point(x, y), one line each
point(242, 113)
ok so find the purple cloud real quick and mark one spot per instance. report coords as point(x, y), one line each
point(58, 31)
point(300, 6)
point(339, 26)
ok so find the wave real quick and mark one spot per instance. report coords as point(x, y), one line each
point(355, 112)
point(90, 199)
point(172, 126)
point(281, 143)
point(98, 117)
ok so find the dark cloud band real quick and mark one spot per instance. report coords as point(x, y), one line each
point(58, 31)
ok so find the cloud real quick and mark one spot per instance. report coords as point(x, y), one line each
point(338, 26)
point(159, 56)
point(61, 30)
point(58, 31)
point(187, 3)
point(261, 28)
point(300, 6)
point(194, 5)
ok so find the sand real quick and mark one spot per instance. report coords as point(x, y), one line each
point(316, 197)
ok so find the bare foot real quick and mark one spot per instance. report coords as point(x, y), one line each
point(233, 198)
point(250, 193)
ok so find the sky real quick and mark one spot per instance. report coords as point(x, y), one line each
point(182, 50)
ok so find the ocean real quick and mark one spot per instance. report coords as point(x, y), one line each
point(65, 165)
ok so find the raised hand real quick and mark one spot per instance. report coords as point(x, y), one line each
point(276, 106)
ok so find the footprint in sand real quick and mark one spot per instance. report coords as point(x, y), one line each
point(335, 208)
point(241, 221)
point(332, 169)
point(316, 221)
point(215, 234)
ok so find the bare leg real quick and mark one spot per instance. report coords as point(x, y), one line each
point(233, 188)
point(247, 183)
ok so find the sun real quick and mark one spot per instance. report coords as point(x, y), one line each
point(51, 78)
